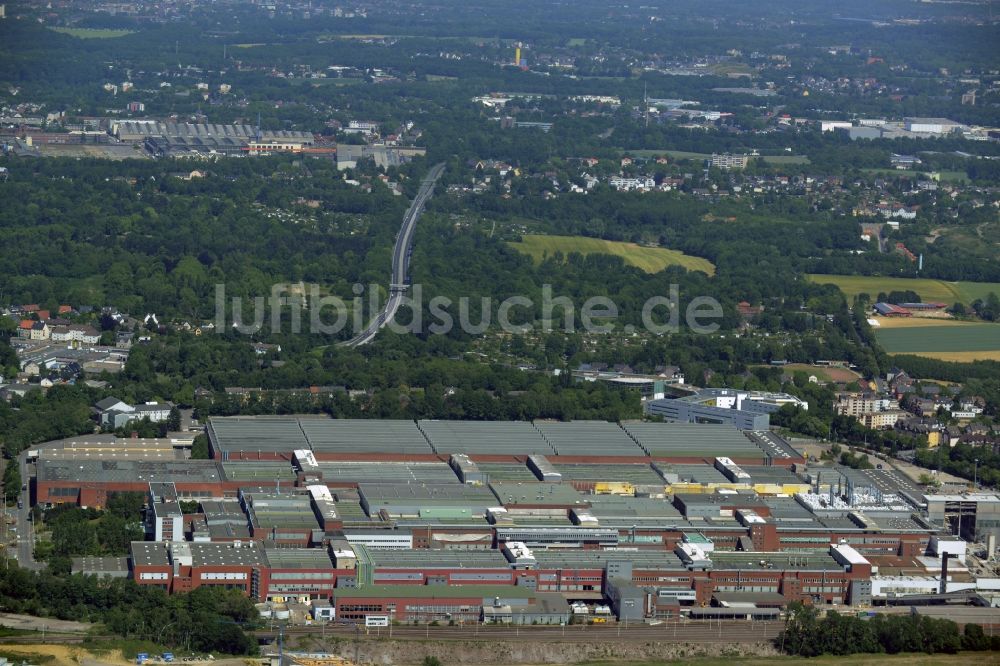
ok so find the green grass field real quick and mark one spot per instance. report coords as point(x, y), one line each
point(916, 339)
point(684, 155)
point(954, 176)
point(649, 259)
point(93, 33)
point(929, 290)
point(785, 159)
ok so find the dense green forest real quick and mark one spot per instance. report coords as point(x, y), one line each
point(209, 619)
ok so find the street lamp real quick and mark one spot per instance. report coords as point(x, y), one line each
point(159, 636)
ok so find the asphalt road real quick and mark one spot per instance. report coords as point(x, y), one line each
point(400, 259)
point(24, 528)
point(688, 631)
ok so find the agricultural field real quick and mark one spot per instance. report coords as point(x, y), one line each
point(930, 290)
point(649, 259)
point(93, 33)
point(918, 322)
point(947, 341)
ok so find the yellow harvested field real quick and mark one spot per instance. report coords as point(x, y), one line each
point(649, 259)
point(918, 322)
point(960, 357)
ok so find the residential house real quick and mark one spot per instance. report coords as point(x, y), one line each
point(76, 333)
point(262, 348)
point(897, 211)
point(628, 184)
point(748, 311)
point(671, 373)
point(10, 391)
point(123, 340)
point(40, 331)
point(882, 420)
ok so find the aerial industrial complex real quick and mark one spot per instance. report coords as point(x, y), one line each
point(520, 522)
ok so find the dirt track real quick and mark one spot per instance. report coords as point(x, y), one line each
point(69, 655)
point(32, 623)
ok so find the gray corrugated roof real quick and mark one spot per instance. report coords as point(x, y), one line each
point(364, 435)
point(638, 474)
point(437, 559)
point(388, 472)
point(123, 471)
point(692, 439)
point(267, 435)
point(485, 437)
point(594, 438)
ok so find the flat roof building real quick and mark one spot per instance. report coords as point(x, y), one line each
point(746, 410)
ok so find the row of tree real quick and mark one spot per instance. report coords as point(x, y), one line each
point(806, 634)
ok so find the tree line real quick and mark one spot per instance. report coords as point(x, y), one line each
point(807, 635)
point(208, 619)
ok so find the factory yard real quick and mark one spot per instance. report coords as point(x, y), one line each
point(468, 533)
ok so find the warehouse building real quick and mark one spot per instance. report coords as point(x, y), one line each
point(88, 482)
point(271, 438)
point(168, 138)
point(101, 567)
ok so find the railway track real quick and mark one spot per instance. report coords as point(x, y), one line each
point(681, 632)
